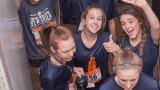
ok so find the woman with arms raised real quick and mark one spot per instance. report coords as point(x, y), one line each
point(143, 42)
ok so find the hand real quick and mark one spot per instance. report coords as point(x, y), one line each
point(79, 71)
point(139, 3)
point(110, 46)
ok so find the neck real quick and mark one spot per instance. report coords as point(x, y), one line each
point(33, 2)
point(89, 36)
point(56, 62)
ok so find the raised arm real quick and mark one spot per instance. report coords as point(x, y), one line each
point(17, 4)
point(152, 18)
point(112, 29)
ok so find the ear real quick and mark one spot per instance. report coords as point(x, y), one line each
point(140, 69)
point(83, 21)
point(113, 69)
point(53, 50)
point(140, 23)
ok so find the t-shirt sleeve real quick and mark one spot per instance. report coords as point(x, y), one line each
point(47, 84)
point(53, 1)
point(119, 40)
point(113, 10)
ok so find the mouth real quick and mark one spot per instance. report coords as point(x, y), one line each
point(128, 88)
point(94, 27)
point(69, 58)
point(130, 32)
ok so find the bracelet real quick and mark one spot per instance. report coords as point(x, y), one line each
point(56, 26)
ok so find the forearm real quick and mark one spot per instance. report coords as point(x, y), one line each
point(112, 28)
point(17, 4)
point(118, 50)
point(152, 18)
point(154, 22)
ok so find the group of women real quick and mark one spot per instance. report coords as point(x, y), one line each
point(86, 52)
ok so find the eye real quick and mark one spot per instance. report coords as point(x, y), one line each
point(123, 23)
point(91, 17)
point(73, 47)
point(123, 80)
point(133, 80)
point(130, 21)
point(65, 52)
point(99, 19)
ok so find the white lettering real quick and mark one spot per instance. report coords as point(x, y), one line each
point(40, 18)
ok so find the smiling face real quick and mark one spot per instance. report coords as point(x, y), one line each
point(131, 26)
point(127, 78)
point(93, 21)
point(65, 50)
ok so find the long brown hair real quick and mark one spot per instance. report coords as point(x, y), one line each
point(96, 7)
point(50, 36)
point(135, 11)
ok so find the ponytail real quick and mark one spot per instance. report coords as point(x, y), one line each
point(51, 34)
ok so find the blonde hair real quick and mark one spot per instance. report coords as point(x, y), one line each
point(127, 59)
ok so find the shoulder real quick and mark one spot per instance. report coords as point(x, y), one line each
point(46, 60)
point(23, 8)
point(149, 82)
point(104, 35)
point(119, 40)
point(108, 83)
point(52, 2)
point(77, 35)
point(49, 70)
point(23, 4)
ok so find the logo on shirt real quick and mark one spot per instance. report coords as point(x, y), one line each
point(94, 74)
point(91, 64)
point(40, 18)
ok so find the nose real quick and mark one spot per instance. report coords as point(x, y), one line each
point(127, 26)
point(95, 21)
point(128, 85)
point(71, 53)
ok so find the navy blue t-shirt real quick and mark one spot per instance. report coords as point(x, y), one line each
point(145, 82)
point(92, 58)
point(55, 77)
point(33, 16)
point(108, 6)
point(150, 53)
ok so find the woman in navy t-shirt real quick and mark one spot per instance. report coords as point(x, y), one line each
point(59, 46)
point(127, 67)
point(90, 53)
point(143, 42)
